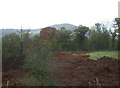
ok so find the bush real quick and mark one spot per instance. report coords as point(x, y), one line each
point(11, 46)
point(38, 59)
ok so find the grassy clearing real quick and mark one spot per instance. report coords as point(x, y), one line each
point(99, 54)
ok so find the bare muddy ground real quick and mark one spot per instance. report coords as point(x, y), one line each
point(72, 69)
point(12, 70)
point(75, 69)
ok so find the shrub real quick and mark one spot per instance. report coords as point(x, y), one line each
point(11, 46)
point(38, 59)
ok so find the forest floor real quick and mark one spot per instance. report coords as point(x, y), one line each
point(72, 69)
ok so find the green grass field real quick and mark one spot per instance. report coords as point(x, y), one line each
point(99, 54)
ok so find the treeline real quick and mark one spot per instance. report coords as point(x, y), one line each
point(82, 39)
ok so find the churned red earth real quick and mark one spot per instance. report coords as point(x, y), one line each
point(72, 70)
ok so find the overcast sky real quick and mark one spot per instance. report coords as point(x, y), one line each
point(42, 13)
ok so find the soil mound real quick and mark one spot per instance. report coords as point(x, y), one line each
point(78, 70)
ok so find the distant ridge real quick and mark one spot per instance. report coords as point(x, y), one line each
point(66, 25)
point(37, 31)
